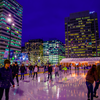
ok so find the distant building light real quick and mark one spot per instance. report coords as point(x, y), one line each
point(91, 12)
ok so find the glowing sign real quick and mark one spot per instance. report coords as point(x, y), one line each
point(91, 12)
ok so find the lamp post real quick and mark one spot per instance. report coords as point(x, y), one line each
point(10, 21)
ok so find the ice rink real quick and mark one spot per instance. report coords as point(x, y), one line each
point(65, 87)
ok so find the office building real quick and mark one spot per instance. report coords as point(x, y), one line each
point(81, 35)
point(10, 27)
point(53, 51)
point(34, 48)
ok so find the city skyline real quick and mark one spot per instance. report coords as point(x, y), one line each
point(45, 19)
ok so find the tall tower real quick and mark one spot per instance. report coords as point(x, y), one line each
point(10, 26)
point(81, 34)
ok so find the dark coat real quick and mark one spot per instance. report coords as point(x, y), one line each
point(6, 77)
point(15, 69)
point(30, 68)
point(91, 78)
point(22, 69)
point(50, 69)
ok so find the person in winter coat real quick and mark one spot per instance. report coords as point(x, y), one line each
point(90, 78)
point(15, 71)
point(56, 71)
point(98, 82)
point(44, 68)
point(35, 69)
point(22, 69)
point(30, 70)
point(5, 79)
point(50, 72)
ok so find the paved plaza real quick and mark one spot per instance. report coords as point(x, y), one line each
point(72, 88)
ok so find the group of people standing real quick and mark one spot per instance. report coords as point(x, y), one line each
point(15, 70)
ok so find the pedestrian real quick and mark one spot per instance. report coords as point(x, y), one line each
point(44, 68)
point(70, 66)
point(5, 79)
point(65, 69)
point(84, 67)
point(30, 70)
point(15, 71)
point(22, 69)
point(36, 69)
point(98, 82)
point(50, 72)
point(56, 70)
point(90, 78)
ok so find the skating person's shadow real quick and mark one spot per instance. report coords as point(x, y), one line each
point(18, 91)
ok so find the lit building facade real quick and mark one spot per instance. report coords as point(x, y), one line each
point(81, 35)
point(98, 48)
point(53, 51)
point(13, 8)
point(34, 48)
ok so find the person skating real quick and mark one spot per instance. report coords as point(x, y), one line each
point(65, 72)
point(5, 79)
point(15, 71)
point(30, 70)
point(44, 68)
point(98, 82)
point(50, 72)
point(56, 70)
point(36, 69)
point(22, 69)
point(90, 78)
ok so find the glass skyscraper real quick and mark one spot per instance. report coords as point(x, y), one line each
point(81, 35)
point(53, 51)
point(12, 9)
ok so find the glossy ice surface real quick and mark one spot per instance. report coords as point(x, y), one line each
point(58, 89)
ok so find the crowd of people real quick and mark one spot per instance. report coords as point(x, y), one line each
point(9, 72)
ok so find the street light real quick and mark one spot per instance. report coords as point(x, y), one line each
point(10, 21)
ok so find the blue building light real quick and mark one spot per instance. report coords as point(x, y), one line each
point(91, 12)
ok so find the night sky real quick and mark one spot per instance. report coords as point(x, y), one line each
point(44, 19)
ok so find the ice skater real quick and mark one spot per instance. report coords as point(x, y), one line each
point(49, 72)
point(30, 70)
point(98, 82)
point(44, 68)
point(56, 70)
point(65, 72)
point(5, 79)
point(22, 69)
point(36, 70)
point(90, 78)
point(15, 71)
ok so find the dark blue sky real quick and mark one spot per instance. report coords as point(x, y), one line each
point(45, 18)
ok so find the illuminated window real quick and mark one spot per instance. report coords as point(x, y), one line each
point(88, 19)
point(92, 19)
point(82, 33)
point(68, 31)
point(77, 26)
point(78, 18)
point(96, 19)
point(85, 17)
